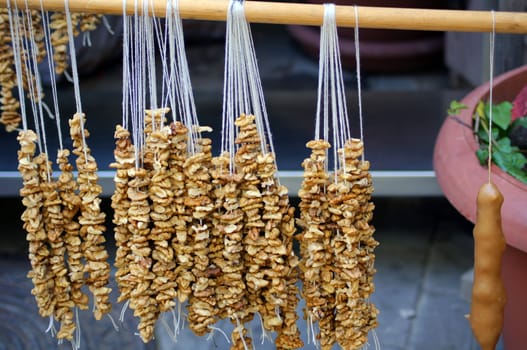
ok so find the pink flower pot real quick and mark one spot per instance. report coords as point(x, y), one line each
point(460, 176)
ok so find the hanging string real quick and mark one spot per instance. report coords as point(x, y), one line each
point(185, 86)
point(137, 85)
point(25, 52)
point(329, 11)
point(491, 82)
point(228, 108)
point(36, 92)
point(73, 58)
point(359, 83)
point(180, 84)
point(248, 65)
point(51, 67)
point(126, 66)
point(15, 40)
point(162, 40)
point(321, 66)
point(75, 73)
point(151, 61)
point(171, 74)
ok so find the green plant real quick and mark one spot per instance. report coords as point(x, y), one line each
point(508, 136)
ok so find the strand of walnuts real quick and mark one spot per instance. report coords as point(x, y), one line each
point(32, 30)
point(213, 232)
point(64, 226)
point(337, 245)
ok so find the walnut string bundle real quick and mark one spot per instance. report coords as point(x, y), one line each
point(54, 226)
point(60, 38)
point(202, 302)
point(124, 155)
point(228, 221)
point(91, 219)
point(21, 31)
point(140, 278)
point(140, 262)
point(282, 266)
point(270, 263)
point(71, 203)
point(30, 33)
point(353, 244)
point(316, 263)
point(32, 199)
point(251, 204)
point(181, 215)
point(10, 116)
point(337, 240)
point(161, 214)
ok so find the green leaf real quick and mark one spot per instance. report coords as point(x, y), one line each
point(483, 155)
point(511, 163)
point(501, 114)
point(484, 136)
point(500, 159)
point(456, 107)
point(517, 159)
point(519, 174)
point(504, 145)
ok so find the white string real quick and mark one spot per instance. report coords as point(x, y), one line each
point(182, 78)
point(107, 24)
point(15, 40)
point(36, 92)
point(190, 106)
point(77, 329)
point(115, 326)
point(171, 74)
point(359, 88)
point(73, 58)
point(162, 46)
point(332, 111)
point(151, 61)
point(25, 51)
point(51, 67)
point(246, 83)
point(229, 112)
point(491, 83)
point(75, 74)
point(321, 66)
point(240, 332)
point(219, 330)
point(126, 66)
point(86, 39)
point(51, 327)
point(123, 311)
point(171, 335)
point(136, 85)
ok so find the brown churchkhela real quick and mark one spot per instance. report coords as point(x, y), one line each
point(488, 292)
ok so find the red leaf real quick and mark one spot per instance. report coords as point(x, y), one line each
point(519, 105)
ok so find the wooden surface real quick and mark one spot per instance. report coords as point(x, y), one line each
point(309, 14)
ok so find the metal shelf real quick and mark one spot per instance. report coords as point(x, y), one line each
point(386, 183)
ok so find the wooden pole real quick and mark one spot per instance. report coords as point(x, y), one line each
point(309, 14)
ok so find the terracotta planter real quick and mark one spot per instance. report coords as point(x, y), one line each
point(460, 175)
point(381, 50)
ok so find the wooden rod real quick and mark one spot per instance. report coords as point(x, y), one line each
point(309, 14)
